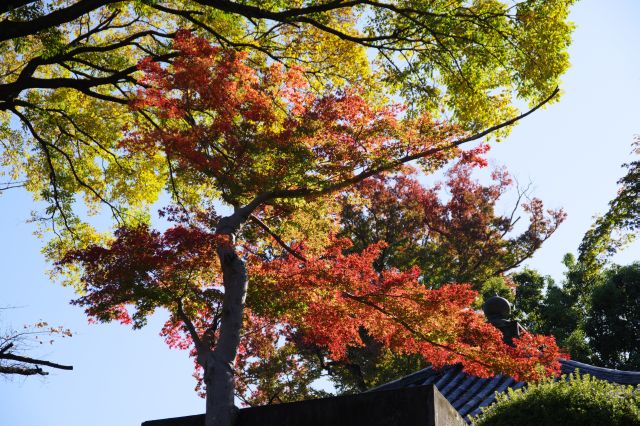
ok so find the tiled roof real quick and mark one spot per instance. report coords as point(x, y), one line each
point(608, 374)
point(468, 393)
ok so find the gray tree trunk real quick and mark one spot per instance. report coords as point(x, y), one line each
point(219, 369)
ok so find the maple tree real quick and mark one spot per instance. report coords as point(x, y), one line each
point(458, 239)
point(262, 141)
point(70, 71)
point(450, 232)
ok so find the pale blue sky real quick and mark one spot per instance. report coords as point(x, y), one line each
point(572, 152)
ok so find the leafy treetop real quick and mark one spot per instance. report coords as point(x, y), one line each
point(615, 228)
point(69, 71)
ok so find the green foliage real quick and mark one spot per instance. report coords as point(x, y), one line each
point(372, 365)
point(474, 60)
point(495, 286)
point(578, 347)
point(615, 229)
point(613, 323)
point(529, 295)
point(544, 307)
point(594, 314)
point(574, 401)
point(277, 378)
point(557, 313)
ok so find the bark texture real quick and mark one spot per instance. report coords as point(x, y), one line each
point(219, 369)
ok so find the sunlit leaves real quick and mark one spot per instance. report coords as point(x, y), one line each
point(338, 295)
point(255, 131)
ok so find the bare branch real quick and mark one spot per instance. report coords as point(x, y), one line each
point(6, 347)
point(11, 185)
point(28, 360)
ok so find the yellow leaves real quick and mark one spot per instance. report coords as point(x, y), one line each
point(478, 59)
point(136, 180)
point(327, 59)
point(545, 35)
point(313, 222)
point(80, 136)
point(83, 235)
point(12, 150)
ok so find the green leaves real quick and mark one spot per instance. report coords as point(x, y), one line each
point(576, 400)
point(474, 60)
point(614, 230)
point(613, 320)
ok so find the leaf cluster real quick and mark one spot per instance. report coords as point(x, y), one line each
point(612, 324)
point(573, 401)
point(451, 231)
point(69, 70)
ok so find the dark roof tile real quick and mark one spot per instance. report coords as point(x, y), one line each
point(468, 393)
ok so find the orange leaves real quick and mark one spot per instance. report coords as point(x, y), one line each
point(338, 295)
point(323, 302)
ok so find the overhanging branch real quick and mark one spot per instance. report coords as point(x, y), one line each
point(13, 29)
point(266, 197)
point(411, 329)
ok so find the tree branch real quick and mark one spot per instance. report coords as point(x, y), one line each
point(279, 240)
point(35, 361)
point(23, 371)
point(6, 348)
point(189, 325)
point(14, 4)
point(333, 187)
point(13, 29)
point(411, 329)
point(230, 224)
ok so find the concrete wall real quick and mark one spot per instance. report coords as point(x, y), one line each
point(416, 406)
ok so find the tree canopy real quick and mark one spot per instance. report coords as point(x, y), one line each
point(262, 141)
point(253, 106)
point(616, 227)
point(591, 313)
point(612, 323)
point(70, 70)
point(451, 232)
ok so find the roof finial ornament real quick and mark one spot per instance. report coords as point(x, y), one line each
point(498, 311)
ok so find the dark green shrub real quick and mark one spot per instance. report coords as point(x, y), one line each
point(578, 401)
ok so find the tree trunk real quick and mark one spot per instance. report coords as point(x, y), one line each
point(219, 370)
